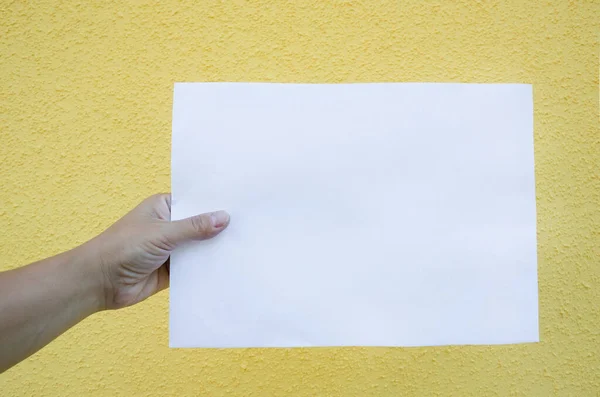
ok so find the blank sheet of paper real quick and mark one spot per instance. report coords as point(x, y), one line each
point(361, 214)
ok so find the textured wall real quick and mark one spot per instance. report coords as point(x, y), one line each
point(85, 113)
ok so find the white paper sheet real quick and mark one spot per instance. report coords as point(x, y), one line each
point(361, 214)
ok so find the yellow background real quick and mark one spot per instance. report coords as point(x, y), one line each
point(86, 94)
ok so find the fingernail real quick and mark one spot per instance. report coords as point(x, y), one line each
point(219, 218)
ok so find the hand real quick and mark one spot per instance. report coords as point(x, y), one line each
point(134, 252)
point(122, 266)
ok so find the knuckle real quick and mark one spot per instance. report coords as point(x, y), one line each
point(201, 225)
point(157, 198)
point(149, 201)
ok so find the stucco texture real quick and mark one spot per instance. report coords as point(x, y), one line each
point(85, 107)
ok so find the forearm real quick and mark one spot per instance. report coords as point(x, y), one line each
point(40, 301)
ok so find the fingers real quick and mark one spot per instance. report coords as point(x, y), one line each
point(162, 274)
point(199, 227)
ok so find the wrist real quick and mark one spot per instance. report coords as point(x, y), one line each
point(86, 268)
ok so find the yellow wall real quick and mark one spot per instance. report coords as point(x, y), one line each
point(85, 118)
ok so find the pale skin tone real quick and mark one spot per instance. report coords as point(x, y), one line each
point(121, 267)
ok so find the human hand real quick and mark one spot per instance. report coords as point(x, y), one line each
point(133, 254)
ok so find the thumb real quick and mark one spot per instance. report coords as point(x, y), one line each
point(199, 227)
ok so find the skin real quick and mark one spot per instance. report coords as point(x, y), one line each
point(121, 267)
